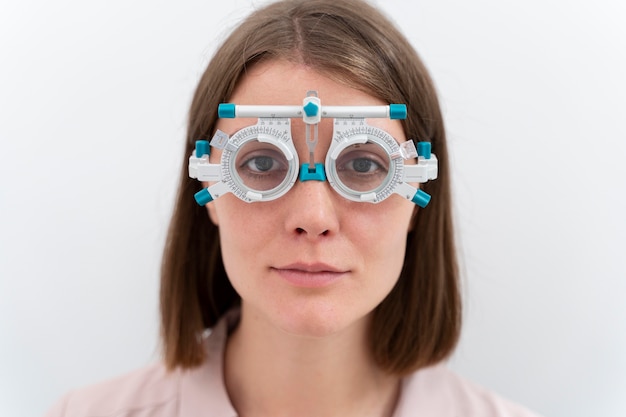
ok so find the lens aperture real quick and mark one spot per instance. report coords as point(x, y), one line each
point(362, 167)
point(261, 166)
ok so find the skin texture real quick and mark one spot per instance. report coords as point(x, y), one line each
point(310, 267)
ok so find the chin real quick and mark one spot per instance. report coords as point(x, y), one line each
point(319, 321)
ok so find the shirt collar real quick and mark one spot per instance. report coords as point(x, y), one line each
point(202, 389)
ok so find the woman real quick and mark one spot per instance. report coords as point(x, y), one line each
point(318, 304)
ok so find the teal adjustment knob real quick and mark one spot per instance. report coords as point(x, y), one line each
point(311, 109)
point(203, 197)
point(421, 198)
point(202, 148)
point(226, 111)
point(423, 149)
point(397, 111)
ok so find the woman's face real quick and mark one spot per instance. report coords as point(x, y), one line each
point(311, 263)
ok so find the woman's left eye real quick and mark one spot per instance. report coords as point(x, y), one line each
point(362, 165)
point(359, 163)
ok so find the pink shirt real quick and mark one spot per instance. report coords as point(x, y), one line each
point(153, 392)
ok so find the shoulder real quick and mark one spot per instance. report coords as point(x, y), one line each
point(152, 390)
point(437, 391)
point(157, 392)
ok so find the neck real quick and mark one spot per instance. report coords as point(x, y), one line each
point(269, 372)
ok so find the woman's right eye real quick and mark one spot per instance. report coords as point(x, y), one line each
point(262, 169)
point(261, 164)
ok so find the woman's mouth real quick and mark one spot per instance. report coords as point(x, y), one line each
point(310, 275)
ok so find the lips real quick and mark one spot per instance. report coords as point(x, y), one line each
point(313, 268)
point(313, 275)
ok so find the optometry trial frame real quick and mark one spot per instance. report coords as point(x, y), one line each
point(363, 163)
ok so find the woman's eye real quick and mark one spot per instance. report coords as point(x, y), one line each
point(261, 164)
point(362, 165)
point(262, 168)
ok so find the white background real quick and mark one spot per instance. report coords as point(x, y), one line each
point(93, 100)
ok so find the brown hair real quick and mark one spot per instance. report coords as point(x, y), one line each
point(419, 322)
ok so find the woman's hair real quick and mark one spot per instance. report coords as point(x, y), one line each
point(349, 41)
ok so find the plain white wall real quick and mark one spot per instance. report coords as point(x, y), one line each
point(93, 98)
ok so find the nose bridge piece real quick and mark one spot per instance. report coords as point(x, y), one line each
point(316, 174)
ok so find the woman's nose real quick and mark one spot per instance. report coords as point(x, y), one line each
point(311, 210)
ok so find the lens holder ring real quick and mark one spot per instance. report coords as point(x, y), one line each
point(276, 132)
point(348, 132)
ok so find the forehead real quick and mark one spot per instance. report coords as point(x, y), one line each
point(285, 83)
point(274, 82)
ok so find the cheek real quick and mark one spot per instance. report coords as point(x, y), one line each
point(240, 239)
point(245, 228)
point(210, 208)
point(380, 230)
point(391, 250)
point(391, 219)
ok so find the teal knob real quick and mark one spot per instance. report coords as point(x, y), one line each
point(421, 198)
point(311, 109)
